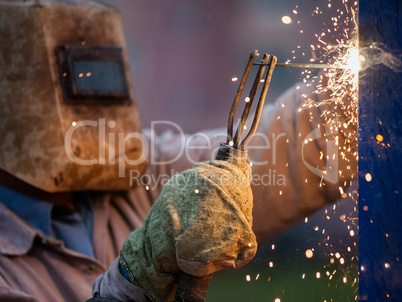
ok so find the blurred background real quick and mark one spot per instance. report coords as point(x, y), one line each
point(183, 55)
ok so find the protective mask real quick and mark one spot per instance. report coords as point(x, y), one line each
point(68, 117)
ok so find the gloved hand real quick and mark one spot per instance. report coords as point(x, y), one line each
point(200, 223)
point(202, 220)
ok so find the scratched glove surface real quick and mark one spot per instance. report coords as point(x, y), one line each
point(200, 223)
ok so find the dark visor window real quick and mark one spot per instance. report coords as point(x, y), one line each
point(93, 74)
point(98, 76)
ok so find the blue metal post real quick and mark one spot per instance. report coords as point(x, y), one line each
point(380, 155)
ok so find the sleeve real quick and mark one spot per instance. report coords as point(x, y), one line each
point(298, 160)
point(112, 286)
point(97, 299)
point(13, 295)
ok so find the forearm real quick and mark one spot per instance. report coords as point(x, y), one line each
point(285, 186)
point(303, 165)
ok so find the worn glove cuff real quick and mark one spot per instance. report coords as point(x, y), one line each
point(192, 288)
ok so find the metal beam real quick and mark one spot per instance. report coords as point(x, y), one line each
point(380, 156)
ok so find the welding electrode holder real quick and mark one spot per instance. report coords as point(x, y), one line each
point(194, 288)
point(234, 143)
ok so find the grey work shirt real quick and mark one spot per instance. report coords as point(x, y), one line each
point(37, 267)
point(74, 228)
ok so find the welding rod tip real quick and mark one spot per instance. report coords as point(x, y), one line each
point(296, 65)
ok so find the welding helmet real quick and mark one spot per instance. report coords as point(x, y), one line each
point(68, 119)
